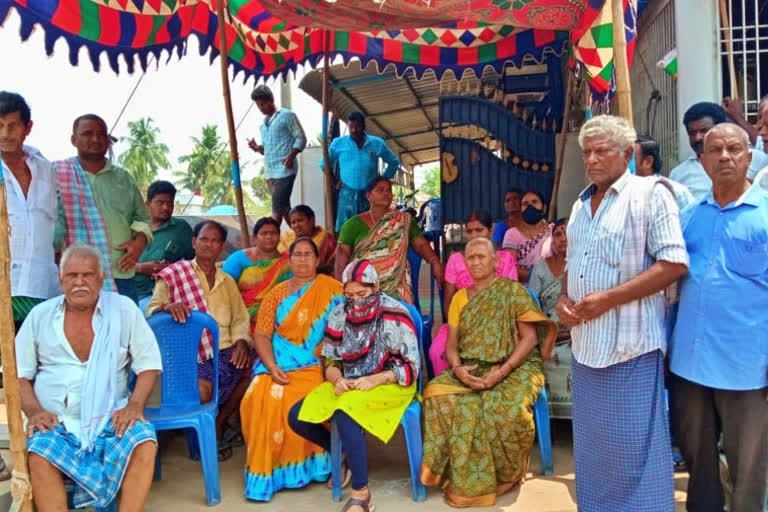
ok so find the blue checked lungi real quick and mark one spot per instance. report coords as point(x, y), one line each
point(228, 376)
point(95, 477)
point(621, 445)
point(351, 202)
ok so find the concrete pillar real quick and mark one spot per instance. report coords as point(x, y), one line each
point(697, 25)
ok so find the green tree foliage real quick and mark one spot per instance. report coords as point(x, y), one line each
point(209, 170)
point(146, 154)
point(431, 185)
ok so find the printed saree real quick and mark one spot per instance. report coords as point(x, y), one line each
point(277, 457)
point(386, 246)
point(476, 443)
point(258, 279)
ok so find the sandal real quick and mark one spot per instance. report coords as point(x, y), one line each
point(366, 505)
point(232, 438)
point(5, 473)
point(225, 452)
point(346, 476)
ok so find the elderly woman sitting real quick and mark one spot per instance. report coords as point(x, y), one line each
point(478, 419)
point(371, 355)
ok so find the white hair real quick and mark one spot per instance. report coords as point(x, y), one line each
point(617, 129)
point(728, 127)
point(82, 250)
point(484, 242)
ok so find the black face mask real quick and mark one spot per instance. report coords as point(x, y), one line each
point(532, 215)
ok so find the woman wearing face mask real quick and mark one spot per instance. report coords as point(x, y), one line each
point(371, 359)
point(532, 240)
point(457, 277)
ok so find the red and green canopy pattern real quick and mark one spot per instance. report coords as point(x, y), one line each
point(593, 49)
point(271, 37)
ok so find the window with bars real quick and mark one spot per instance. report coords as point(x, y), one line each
point(749, 40)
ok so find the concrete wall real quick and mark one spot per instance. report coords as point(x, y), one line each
point(308, 188)
point(573, 180)
point(697, 25)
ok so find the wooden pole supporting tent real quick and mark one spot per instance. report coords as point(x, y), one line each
point(232, 131)
point(330, 219)
point(21, 489)
point(620, 62)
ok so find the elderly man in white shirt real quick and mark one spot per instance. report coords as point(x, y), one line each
point(84, 425)
point(30, 190)
point(698, 120)
point(625, 245)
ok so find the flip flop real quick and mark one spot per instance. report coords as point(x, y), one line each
point(232, 438)
point(366, 505)
point(225, 452)
point(346, 476)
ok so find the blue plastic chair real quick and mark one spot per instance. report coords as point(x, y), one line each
point(180, 407)
point(426, 320)
point(541, 418)
point(411, 422)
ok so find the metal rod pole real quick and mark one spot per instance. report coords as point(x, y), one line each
point(224, 58)
point(725, 24)
point(18, 438)
point(621, 63)
point(330, 221)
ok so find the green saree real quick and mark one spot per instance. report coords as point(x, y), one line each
point(476, 443)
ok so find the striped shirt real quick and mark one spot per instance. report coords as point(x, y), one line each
point(598, 249)
point(281, 133)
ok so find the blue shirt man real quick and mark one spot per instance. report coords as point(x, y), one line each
point(719, 346)
point(358, 156)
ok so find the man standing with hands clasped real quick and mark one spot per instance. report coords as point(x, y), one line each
point(282, 139)
point(719, 346)
point(625, 246)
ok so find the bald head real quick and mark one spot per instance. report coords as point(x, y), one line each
point(726, 156)
point(727, 129)
point(480, 257)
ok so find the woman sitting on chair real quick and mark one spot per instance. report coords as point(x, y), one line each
point(382, 236)
point(301, 218)
point(260, 268)
point(457, 277)
point(371, 355)
point(288, 332)
point(478, 418)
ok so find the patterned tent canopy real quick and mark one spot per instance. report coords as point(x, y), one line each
point(271, 37)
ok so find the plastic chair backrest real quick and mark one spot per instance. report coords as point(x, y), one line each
point(419, 325)
point(534, 296)
point(179, 349)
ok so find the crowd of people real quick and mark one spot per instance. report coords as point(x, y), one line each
point(639, 287)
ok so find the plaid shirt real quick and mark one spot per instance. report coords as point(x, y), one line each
point(602, 251)
point(280, 134)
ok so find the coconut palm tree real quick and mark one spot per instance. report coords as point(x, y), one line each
point(146, 154)
point(208, 170)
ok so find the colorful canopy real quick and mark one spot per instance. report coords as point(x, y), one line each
point(271, 37)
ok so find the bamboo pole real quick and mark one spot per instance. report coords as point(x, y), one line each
point(330, 221)
point(561, 149)
point(621, 63)
point(224, 58)
point(18, 438)
point(725, 23)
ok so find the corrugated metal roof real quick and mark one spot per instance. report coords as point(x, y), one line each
point(403, 111)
